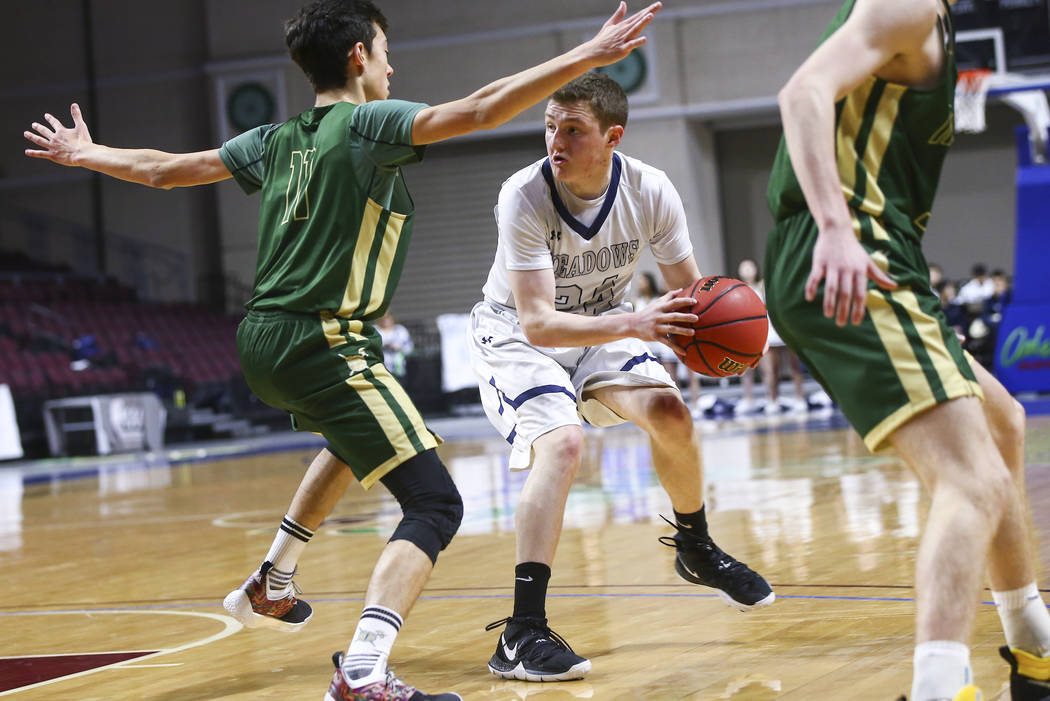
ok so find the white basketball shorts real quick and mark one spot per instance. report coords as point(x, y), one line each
point(529, 390)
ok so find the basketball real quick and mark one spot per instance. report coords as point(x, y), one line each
point(731, 330)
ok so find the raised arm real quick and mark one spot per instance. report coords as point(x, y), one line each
point(876, 34)
point(505, 98)
point(544, 325)
point(74, 147)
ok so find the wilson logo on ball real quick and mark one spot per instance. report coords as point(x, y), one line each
point(731, 367)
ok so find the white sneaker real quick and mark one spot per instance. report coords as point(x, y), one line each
point(820, 398)
point(744, 406)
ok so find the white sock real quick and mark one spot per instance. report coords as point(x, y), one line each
point(287, 546)
point(365, 659)
point(1026, 621)
point(942, 668)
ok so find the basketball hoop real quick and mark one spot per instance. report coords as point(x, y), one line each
point(970, 94)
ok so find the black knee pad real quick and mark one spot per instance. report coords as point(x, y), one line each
point(432, 506)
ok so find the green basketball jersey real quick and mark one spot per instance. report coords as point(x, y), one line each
point(335, 217)
point(890, 143)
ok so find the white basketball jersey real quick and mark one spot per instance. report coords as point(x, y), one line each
point(592, 245)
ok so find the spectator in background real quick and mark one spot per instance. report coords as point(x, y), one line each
point(397, 345)
point(992, 309)
point(954, 312)
point(936, 275)
point(770, 364)
point(979, 287)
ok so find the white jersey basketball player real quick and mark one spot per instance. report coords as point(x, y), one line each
point(554, 341)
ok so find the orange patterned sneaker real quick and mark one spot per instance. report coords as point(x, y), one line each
point(389, 689)
point(250, 605)
point(1029, 675)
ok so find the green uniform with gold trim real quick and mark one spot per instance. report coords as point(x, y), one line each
point(334, 227)
point(890, 141)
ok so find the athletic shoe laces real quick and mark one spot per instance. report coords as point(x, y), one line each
point(537, 632)
point(722, 563)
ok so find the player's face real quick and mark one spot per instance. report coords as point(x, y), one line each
point(578, 148)
point(378, 69)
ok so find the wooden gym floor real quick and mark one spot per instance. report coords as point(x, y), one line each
point(113, 571)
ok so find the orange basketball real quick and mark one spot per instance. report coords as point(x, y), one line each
point(731, 330)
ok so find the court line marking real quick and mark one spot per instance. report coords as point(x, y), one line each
point(321, 596)
point(231, 626)
point(67, 654)
point(455, 597)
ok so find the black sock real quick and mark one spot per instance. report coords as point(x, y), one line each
point(530, 589)
point(695, 523)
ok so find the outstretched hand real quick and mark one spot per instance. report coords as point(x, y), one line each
point(663, 317)
point(845, 267)
point(59, 144)
point(619, 35)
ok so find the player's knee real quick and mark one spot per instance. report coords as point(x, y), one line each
point(431, 504)
point(561, 448)
point(430, 521)
point(989, 489)
point(667, 413)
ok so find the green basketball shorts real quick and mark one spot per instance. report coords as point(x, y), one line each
point(901, 360)
point(327, 372)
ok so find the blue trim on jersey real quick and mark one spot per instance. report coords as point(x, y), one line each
point(499, 395)
point(527, 394)
point(638, 360)
point(587, 232)
point(535, 392)
point(513, 434)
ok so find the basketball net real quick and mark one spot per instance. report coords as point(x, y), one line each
point(970, 94)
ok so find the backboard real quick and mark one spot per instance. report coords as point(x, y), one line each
point(1003, 35)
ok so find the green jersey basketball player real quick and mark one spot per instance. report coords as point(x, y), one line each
point(335, 220)
point(868, 119)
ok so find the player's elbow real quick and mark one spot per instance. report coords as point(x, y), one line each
point(481, 113)
point(802, 93)
point(159, 177)
point(536, 332)
point(787, 95)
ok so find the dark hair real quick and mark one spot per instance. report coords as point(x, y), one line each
point(979, 270)
point(322, 34)
point(604, 96)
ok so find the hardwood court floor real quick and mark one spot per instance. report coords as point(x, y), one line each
point(137, 559)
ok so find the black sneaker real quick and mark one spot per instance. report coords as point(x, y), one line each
point(529, 650)
point(700, 561)
point(1029, 675)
